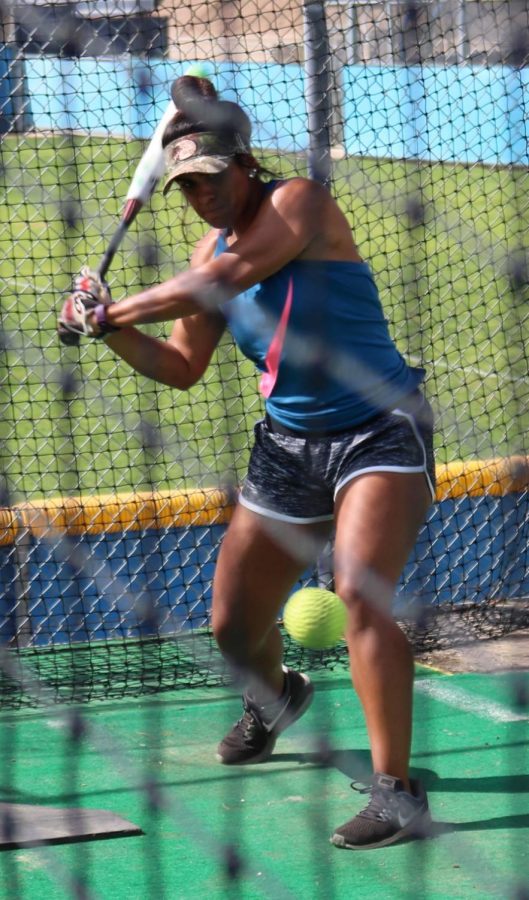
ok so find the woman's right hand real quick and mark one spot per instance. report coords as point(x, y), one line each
point(77, 318)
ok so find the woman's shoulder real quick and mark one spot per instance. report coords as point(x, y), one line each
point(298, 186)
point(300, 197)
point(311, 212)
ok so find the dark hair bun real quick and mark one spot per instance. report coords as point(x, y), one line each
point(188, 89)
point(198, 108)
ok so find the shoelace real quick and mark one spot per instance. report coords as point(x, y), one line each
point(262, 714)
point(361, 788)
point(376, 808)
point(248, 723)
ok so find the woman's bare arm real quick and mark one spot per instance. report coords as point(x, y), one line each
point(289, 223)
point(182, 359)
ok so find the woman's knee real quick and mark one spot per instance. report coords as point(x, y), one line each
point(234, 633)
point(227, 633)
point(367, 601)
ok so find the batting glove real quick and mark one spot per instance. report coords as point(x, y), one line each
point(90, 294)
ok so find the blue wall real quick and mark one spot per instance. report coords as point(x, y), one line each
point(6, 104)
point(470, 551)
point(456, 114)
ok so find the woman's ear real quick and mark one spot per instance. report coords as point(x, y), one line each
point(247, 161)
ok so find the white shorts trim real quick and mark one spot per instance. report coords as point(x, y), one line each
point(403, 470)
point(418, 438)
point(281, 517)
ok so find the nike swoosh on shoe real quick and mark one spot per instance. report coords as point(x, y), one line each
point(269, 726)
point(405, 820)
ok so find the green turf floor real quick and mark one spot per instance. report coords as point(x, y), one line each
point(471, 748)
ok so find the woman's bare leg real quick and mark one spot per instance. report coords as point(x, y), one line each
point(259, 562)
point(378, 517)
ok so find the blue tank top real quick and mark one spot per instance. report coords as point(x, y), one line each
point(317, 332)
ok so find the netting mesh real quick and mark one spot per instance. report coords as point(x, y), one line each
point(416, 115)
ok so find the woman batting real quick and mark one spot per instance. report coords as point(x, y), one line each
point(346, 441)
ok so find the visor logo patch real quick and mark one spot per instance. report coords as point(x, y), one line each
point(185, 149)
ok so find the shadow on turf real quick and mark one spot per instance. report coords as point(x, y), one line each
point(498, 822)
point(356, 764)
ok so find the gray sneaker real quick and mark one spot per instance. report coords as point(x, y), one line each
point(391, 814)
point(253, 737)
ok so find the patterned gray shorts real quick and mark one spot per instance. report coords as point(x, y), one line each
point(296, 479)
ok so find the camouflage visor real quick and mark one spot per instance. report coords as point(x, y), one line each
point(206, 152)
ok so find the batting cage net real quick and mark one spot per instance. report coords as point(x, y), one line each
point(115, 489)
